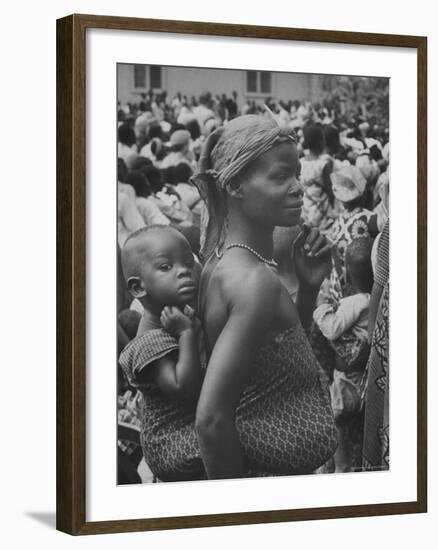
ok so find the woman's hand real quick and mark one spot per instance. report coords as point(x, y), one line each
point(312, 257)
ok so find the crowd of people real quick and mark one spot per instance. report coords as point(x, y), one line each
point(253, 265)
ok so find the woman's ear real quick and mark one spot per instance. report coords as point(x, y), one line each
point(234, 189)
point(136, 288)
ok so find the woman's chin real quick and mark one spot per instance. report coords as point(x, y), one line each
point(292, 218)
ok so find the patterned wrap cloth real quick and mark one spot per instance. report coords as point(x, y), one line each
point(284, 418)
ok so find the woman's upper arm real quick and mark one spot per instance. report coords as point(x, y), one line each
point(252, 306)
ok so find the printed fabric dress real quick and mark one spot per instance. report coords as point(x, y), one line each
point(376, 377)
point(168, 438)
point(347, 227)
point(284, 418)
point(316, 209)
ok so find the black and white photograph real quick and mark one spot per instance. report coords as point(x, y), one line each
point(252, 273)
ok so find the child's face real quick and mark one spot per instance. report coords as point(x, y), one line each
point(167, 271)
point(271, 193)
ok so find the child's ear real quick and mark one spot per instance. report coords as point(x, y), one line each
point(135, 287)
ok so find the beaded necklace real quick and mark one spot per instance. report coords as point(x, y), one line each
point(271, 262)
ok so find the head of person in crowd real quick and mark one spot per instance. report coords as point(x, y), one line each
point(182, 172)
point(331, 140)
point(139, 182)
point(157, 148)
point(121, 116)
point(248, 168)
point(194, 129)
point(154, 177)
point(211, 125)
point(358, 265)
point(364, 129)
point(155, 131)
point(206, 99)
point(348, 185)
point(122, 170)
point(369, 169)
point(126, 135)
point(168, 175)
point(193, 235)
point(159, 267)
point(180, 141)
point(139, 163)
point(313, 139)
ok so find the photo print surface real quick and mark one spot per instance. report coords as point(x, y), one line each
point(253, 273)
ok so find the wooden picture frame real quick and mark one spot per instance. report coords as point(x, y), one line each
point(71, 273)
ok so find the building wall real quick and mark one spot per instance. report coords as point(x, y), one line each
point(192, 81)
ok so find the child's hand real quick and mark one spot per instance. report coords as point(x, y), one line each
point(190, 313)
point(174, 320)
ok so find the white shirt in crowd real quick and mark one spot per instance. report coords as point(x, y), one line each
point(352, 313)
point(150, 212)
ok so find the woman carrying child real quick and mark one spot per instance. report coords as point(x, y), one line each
point(263, 408)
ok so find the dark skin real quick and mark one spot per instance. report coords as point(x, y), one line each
point(243, 301)
point(162, 274)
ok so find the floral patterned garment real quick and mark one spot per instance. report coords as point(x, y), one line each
point(316, 209)
point(348, 227)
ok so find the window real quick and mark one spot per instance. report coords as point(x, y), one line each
point(251, 81)
point(139, 76)
point(265, 82)
point(258, 82)
point(155, 76)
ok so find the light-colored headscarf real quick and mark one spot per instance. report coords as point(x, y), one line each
point(226, 152)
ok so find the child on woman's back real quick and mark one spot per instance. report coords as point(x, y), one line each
point(163, 360)
point(346, 327)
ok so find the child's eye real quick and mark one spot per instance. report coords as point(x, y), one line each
point(189, 261)
point(164, 267)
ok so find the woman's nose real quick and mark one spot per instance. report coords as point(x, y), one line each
point(295, 189)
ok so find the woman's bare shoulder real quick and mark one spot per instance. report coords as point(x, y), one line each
point(240, 281)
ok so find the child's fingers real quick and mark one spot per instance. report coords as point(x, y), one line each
point(189, 311)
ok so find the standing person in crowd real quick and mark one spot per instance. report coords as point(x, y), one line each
point(315, 179)
point(262, 385)
point(346, 327)
point(376, 379)
point(127, 144)
point(146, 207)
point(180, 150)
point(128, 216)
point(353, 222)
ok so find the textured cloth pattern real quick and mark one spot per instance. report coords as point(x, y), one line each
point(284, 418)
point(168, 438)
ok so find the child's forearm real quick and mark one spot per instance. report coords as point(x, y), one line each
point(187, 369)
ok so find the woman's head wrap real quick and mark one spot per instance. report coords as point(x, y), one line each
point(226, 152)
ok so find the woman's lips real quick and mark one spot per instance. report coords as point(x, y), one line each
point(295, 206)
